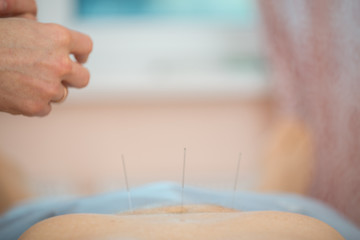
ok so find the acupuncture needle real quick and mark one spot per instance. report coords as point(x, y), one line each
point(183, 182)
point(127, 183)
point(236, 180)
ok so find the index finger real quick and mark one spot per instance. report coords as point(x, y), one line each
point(81, 46)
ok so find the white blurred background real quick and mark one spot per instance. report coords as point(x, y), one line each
point(167, 48)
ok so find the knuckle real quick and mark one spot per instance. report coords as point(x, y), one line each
point(63, 66)
point(51, 90)
point(36, 108)
point(61, 34)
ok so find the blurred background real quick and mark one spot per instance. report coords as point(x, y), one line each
point(164, 75)
point(167, 48)
point(193, 73)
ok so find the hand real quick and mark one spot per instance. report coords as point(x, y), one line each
point(35, 64)
point(18, 8)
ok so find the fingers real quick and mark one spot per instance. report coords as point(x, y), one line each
point(78, 77)
point(17, 8)
point(81, 45)
point(63, 96)
point(73, 73)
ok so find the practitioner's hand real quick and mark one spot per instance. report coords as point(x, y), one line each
point(18, 8)
point(35, 64)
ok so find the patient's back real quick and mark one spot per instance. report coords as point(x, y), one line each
point(178, 223)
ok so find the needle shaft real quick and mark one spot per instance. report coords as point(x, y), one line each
point(183, 181)
point(127, 183)
point(236, 180)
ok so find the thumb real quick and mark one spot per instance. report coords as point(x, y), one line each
point(10, 8)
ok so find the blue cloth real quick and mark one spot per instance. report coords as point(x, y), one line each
point(19, 219)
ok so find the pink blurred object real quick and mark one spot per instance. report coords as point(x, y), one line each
point(314, 47)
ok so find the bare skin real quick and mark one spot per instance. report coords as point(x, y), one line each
point(195, 222)
point(18, 8)
point(35, 63)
